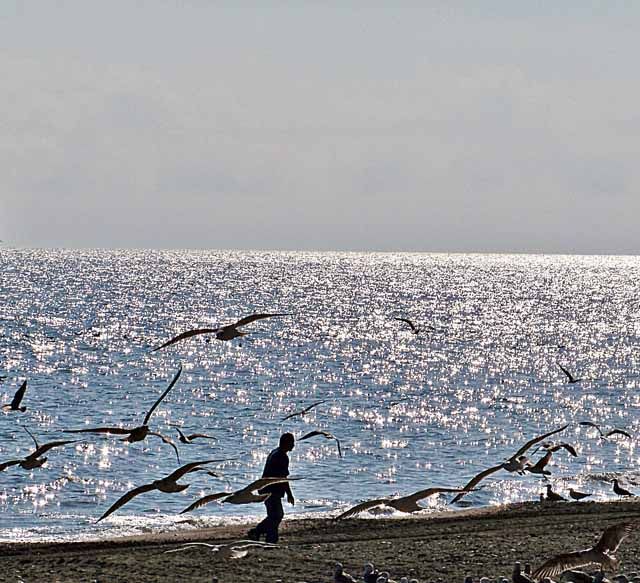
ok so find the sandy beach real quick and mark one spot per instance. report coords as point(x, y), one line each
point(445, 546)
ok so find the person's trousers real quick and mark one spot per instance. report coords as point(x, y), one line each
point(275, 514)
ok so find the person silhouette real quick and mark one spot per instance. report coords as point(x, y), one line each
point(276, 466)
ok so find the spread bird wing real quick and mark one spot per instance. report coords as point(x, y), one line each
point(591, 424)
point(535, 440)
point(45, 447)
point(184, 335)
point(292, 415)
point(407, 321)
point(167, 441)
point(566, 372)
point(248, 319)
point(190, 467)
point(420, 494)
point(33, 437)
point(17, 398)
point(171, 385)
point(314, 405)
point(567, 446)
point(130, 495)
point(325, 434)
point(618, 432)
point(205, 500)
point(114, 430)
point(362, 507)
point(476, 480)
point(541, 463)
point(560, 564)
point(613, 536)
point(5, 465)
point(201, 435)
point(263, 482)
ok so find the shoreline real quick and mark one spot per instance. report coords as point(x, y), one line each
point(440, 545)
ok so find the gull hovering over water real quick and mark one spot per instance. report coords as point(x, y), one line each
point(403, 504)
point(602, 553)
point(540, 466)
point(324, 434)
point(570, 377)
point(34, 459)
point(168, 484)
point(516, 463)
point(243, 496)
point(609, 433)
point(234, 550)
point(304, 411)
point(228, 332)
point(142, 431)
point(17, 399)
point(188, 439)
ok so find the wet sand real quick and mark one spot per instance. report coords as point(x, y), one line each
point(446, 546)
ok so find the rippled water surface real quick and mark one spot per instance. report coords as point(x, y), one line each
point(410, 411)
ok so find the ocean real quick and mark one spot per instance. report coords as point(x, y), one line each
point(410, 411)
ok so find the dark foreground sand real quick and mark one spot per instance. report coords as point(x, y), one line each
point(444, 546)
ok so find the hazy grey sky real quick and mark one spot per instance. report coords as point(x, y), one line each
point(432, 126)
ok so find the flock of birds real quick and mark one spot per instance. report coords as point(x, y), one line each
point(603, 553)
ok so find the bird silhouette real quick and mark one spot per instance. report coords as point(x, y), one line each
point(602, 553)
point(324, 434)
point(34, 459)
point(619, 490)
point(403, 504)
point(609, 433)
point(516, 463)
point(140, 432)
point(576, 495)
point(17, 399)
point(571, 378)
point(233, 550)
point(243, 496)
point(228, 332)
point(188, 439)
point(304, 411)
point(554, 496)
point(168, 484)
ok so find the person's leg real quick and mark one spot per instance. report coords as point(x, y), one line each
point(275, 514)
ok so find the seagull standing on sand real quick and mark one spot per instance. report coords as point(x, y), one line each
point(168, 484)
point(554, 496)
point(17, 399)
point(576, 495)
point(137, 433)
point(619, 490)
point(228, 332)
point(33, 460)
point(516, 463)
point(340, 576)
point(602, 553)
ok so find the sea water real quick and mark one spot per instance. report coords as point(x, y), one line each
point(411, 411)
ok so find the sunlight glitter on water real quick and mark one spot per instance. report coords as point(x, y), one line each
point(478, 381)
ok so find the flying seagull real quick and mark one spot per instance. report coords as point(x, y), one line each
point(243, 496)
point(413, 327)
point(403, 504)
point(188, 439)
point(609, 433)
point(234, 550)
point(17, 398)
point(168, 484)
point(228, 332)
point(571, 378)
point(516, 463)
point(324, 434)
point(33, 460)
point(540, 466)
point(142, 431)
point(304, 411)
point(602, 553)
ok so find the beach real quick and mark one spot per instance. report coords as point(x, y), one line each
point(443, 546)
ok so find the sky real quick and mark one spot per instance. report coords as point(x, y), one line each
point(432, 126)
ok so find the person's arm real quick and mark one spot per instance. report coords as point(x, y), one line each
point(290, 498)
